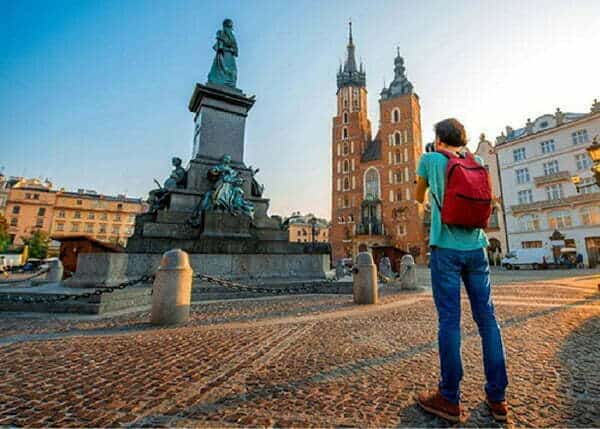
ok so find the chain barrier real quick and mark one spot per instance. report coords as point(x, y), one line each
point(18, 299)
point(25, 279)
point(305, 288)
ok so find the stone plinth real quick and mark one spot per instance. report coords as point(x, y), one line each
point(172, 289)
point(220, 121)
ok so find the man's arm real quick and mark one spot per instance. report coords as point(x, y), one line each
point(421, 189)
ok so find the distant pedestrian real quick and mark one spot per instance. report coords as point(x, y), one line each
point(579, 260)
point(458, 251)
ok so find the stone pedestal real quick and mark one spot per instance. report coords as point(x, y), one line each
point(365, 288)
point(220, 121)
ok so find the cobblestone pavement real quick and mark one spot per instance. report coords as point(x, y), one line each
point(301, 361)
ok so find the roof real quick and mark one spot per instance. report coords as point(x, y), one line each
point(373, 150)
point(298, 219)
point(108, 246)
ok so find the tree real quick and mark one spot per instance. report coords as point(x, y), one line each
point(38, 243)
point(4, 237)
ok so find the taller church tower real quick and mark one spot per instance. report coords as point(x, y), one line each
point(351, 132)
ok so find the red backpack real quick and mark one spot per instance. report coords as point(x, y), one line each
point(468, 196)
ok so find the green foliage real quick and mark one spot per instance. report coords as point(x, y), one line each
point(4, 237)
point(38, 244)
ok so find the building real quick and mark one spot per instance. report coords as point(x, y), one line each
point(36, 205)
point(543, 206)
point(300, 228)
point(5, 185)
point(71, 246)
point(496, 230)
point(373, 179)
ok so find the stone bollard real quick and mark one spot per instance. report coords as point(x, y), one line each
point(408, 271)
point(365, 280)
point(55, 271)
point(172, 289)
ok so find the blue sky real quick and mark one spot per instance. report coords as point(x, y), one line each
point(94, 94)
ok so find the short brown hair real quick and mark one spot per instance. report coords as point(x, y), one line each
point(451, 132)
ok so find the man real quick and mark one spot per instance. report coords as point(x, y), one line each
point(458, 253)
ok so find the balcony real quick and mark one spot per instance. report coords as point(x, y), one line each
point(561, 176)
point(549, 204)
point(369, 228)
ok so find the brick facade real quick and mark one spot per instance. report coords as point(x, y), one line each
point(373, 179)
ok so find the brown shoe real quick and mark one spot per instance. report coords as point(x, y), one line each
point(433, 402)
point(499, 410)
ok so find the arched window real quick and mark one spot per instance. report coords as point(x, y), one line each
point(346, 188)
point(346, 148)
point(396, 115)
point(346, 202)
point(345, 117)
point(397, 138)
point(372, 190)
point(344, 133)
point(346, 166)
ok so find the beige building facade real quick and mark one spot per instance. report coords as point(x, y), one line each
point(300, 228)
point(496, 230)
point(34, 205)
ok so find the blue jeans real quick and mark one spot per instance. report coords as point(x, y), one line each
point(448, 266)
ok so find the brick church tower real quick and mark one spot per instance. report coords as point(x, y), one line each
point(373, 180)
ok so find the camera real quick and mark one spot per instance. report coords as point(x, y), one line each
point(430, 147)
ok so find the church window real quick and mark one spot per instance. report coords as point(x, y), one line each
point(345, 117)
point(395, 115)
point(401, 229)
point(398, 195)
point(346, 166)
point(346, 202)
point(397, 138)
point(397, 157)
point(344, 133)
point(372, 184)
point(346, 184)
point(398, 177)
point(345, 149)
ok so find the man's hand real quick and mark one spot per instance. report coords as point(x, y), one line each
point(421, 189)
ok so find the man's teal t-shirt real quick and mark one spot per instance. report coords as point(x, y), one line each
point(432, 167)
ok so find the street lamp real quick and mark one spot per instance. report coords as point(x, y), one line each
point(594, 153)
point(313, 229)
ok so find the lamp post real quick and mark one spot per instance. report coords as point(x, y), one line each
point(594, 153)
point(313, 229)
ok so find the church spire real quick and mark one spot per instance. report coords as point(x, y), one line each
point(400, 85)
point(351, 75)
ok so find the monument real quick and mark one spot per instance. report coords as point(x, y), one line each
point(214, 209)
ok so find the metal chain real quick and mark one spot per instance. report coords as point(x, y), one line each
point(305, 288)
point(64, 297)
point(33, 276)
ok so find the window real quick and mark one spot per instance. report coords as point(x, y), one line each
point(42, 211)
point(131, 218)
point(346, 184)
point(14, 221)
point(530, 222)
point(89, 227)
point(559, 219)
point(16, 209)
point(401, 229)
point(345, 148)
point(398, 196)
point(534, 244)
point(75, 227)
point(590, 215)
point(36, 196)
point(60, 226)
point(550, 167)
point(583, 161)
point(39, 223)
point(548, 146)
point(119, 206)
point(102, 229)
point(580, 136)
point(117, 217)
point(345, 117)
point(522, 175)
point(586, 186)
point(115, 229)
point(103, 216)
point(62, 214)
point(27, 196)
point(77, 215)
point(397, 138)
point(396, 115)
point(346, 166)
point(519, 154)
point(346, 202)
point(372, 184)
point(554, 192)
point(91, 215)
point(397, 157)
point(344, 133)
point(525, 196)
point(79, 202)
point(398, 177)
